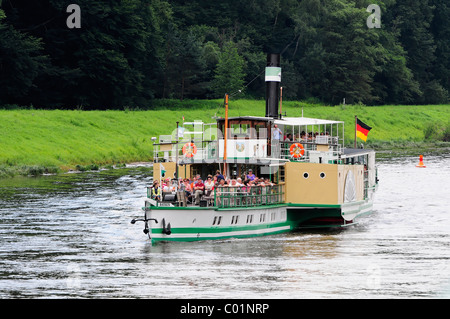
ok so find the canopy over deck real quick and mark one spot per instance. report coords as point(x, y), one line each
point(303, 121)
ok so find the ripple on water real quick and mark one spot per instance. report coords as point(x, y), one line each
point(70, 236)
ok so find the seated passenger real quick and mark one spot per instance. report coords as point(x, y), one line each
point(303, 136)
point(166, 188)
point(174, 186)
point(187, 189)
point(156, 191)
point(199, 189)
point(209, 185)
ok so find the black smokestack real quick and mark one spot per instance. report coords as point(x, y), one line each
point(273, 80)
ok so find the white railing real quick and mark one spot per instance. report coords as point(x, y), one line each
point(323, 149)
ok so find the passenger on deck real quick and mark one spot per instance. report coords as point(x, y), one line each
point(250, 175)
point(156, 191)
point(288, 138)
point(268, 182)
point(219, 176)
point(303, 136)
point(199, 189)
point(166, 186)
point(223, 183)
point(187, 189)
point(277, 136)
point(260, 182)
point(209, 185)
point(175, 185)
point(220, 191)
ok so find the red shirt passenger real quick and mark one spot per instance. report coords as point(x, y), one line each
point(199, 190)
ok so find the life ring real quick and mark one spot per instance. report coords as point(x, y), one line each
point(189, 149)
point(297, 150)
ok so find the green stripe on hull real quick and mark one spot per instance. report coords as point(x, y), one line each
point(296, 217)
point(209, 233)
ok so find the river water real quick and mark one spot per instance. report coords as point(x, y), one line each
point(69, 236)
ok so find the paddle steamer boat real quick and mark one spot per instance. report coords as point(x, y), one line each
point(315, 180)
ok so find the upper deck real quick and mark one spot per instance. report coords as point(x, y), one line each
point(253, 140)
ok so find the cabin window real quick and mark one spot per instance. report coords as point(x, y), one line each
point(249, 219)
point(305, 175)
point(281, 172)
point(217, 219)
point(322, 175)
point(261, 131)
point(239, 130)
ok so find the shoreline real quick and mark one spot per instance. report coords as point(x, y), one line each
point(36, 142)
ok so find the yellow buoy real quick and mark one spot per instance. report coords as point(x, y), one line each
point(421, 162)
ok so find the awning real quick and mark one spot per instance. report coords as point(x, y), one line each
point(303, 121)
point(353, 152)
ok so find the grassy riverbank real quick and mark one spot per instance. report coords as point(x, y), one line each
point(39, 141)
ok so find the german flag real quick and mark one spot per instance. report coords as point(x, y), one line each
point(362, 129)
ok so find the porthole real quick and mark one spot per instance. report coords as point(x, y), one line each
point(322, 175)
point(305, 175)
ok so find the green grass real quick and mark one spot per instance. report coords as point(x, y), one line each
point(39, 141)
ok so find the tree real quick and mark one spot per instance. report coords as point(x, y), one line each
point(440, 27)
point(21, 62)
point(395, 82)
point(338, 56)
point(112, 61)
point(229, 74)
point(415, 17)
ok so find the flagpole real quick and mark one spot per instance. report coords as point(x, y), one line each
point(226, 136)
point(356, 122)
point(176, 155)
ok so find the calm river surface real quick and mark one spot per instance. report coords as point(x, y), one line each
point(69, 236)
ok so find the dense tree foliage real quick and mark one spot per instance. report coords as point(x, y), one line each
point(127, 53)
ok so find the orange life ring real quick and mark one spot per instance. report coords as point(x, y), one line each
point(297, 150)
point(189, 149)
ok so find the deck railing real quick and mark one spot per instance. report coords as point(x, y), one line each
point(208, 151)
point(243, 196)
point(230, 197)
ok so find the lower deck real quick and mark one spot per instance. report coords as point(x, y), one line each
point(203, 223)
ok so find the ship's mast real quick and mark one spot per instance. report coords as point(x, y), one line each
point(226, 136)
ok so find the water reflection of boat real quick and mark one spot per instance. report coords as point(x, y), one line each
point(309, 179)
